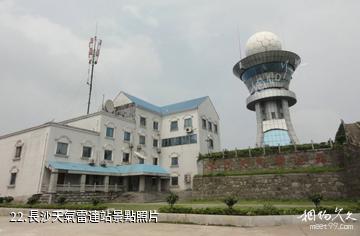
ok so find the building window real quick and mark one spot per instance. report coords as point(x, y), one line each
point(86, 153)
point(142, 121)
point(156, 125)
point(127, 136)
point(174, 181)
point(203, 123)
point(142, 139)
point(126, 157)
point(13, 179)
point(174, 125)
point(155, 142)
point(141, 161)
point(181, 140)
point(210, 125)
point(215, 128)
point(273, 116)
point(108, 155)
point(18, 151)
point(276, 137)
point(188, 123)
point(62, 148)
point(155, 161)
point(109, 132)
point(174, 161)
point(211, 143)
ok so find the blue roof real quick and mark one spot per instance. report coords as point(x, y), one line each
point(123, 169)
point(168, 109)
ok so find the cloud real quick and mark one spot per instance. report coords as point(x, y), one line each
point(168, 51)
point(135, 12)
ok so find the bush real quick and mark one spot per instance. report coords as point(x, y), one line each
point(268, 209)
point(230, 201)
point(1, 200)
point(33, 199)
point(61, 200)
point(95, 201)
point(172, 199)
point(316, 199)
point(8, 199)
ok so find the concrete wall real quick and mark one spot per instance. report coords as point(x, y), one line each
point(29, 167)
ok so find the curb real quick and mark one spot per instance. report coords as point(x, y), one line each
point(222, 220)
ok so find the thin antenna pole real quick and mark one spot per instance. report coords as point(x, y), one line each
point(238, 30)
point(91, 82)
point(94, 51)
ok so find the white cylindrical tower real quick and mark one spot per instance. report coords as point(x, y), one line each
point(267, 71)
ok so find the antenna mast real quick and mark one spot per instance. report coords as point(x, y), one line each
point(94, 52)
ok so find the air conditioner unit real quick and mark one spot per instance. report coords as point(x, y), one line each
point(138, 147)
point(91, 161)
point(103, 163)
point(188, 130)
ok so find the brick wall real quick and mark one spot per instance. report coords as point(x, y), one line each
point(340, 184)
point(299, 159)
point(287, 186)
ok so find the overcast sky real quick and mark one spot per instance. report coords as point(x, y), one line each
point(167, 51)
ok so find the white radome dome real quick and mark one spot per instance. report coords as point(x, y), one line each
point(262, 42)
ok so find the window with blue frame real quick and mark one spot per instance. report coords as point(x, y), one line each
point(278, 67)
point(276, 137)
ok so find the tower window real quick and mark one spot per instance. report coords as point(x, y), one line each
point(273, 115)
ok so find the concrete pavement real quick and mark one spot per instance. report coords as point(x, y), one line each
point(158, 229)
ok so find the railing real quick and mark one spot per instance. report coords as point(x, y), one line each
point(87, 188)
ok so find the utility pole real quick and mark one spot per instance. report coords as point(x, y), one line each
point(94, 52)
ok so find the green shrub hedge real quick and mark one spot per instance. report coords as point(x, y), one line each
point(267, 150)
point(267, 209)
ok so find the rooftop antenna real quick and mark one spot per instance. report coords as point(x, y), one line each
point(94, 52)
point(238, 31)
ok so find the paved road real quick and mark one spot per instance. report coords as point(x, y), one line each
point(158, 229)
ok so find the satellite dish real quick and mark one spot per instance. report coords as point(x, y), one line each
point(109, 106)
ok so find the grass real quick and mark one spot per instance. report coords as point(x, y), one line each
point(278, 171)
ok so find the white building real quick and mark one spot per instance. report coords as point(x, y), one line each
point(132, 146)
